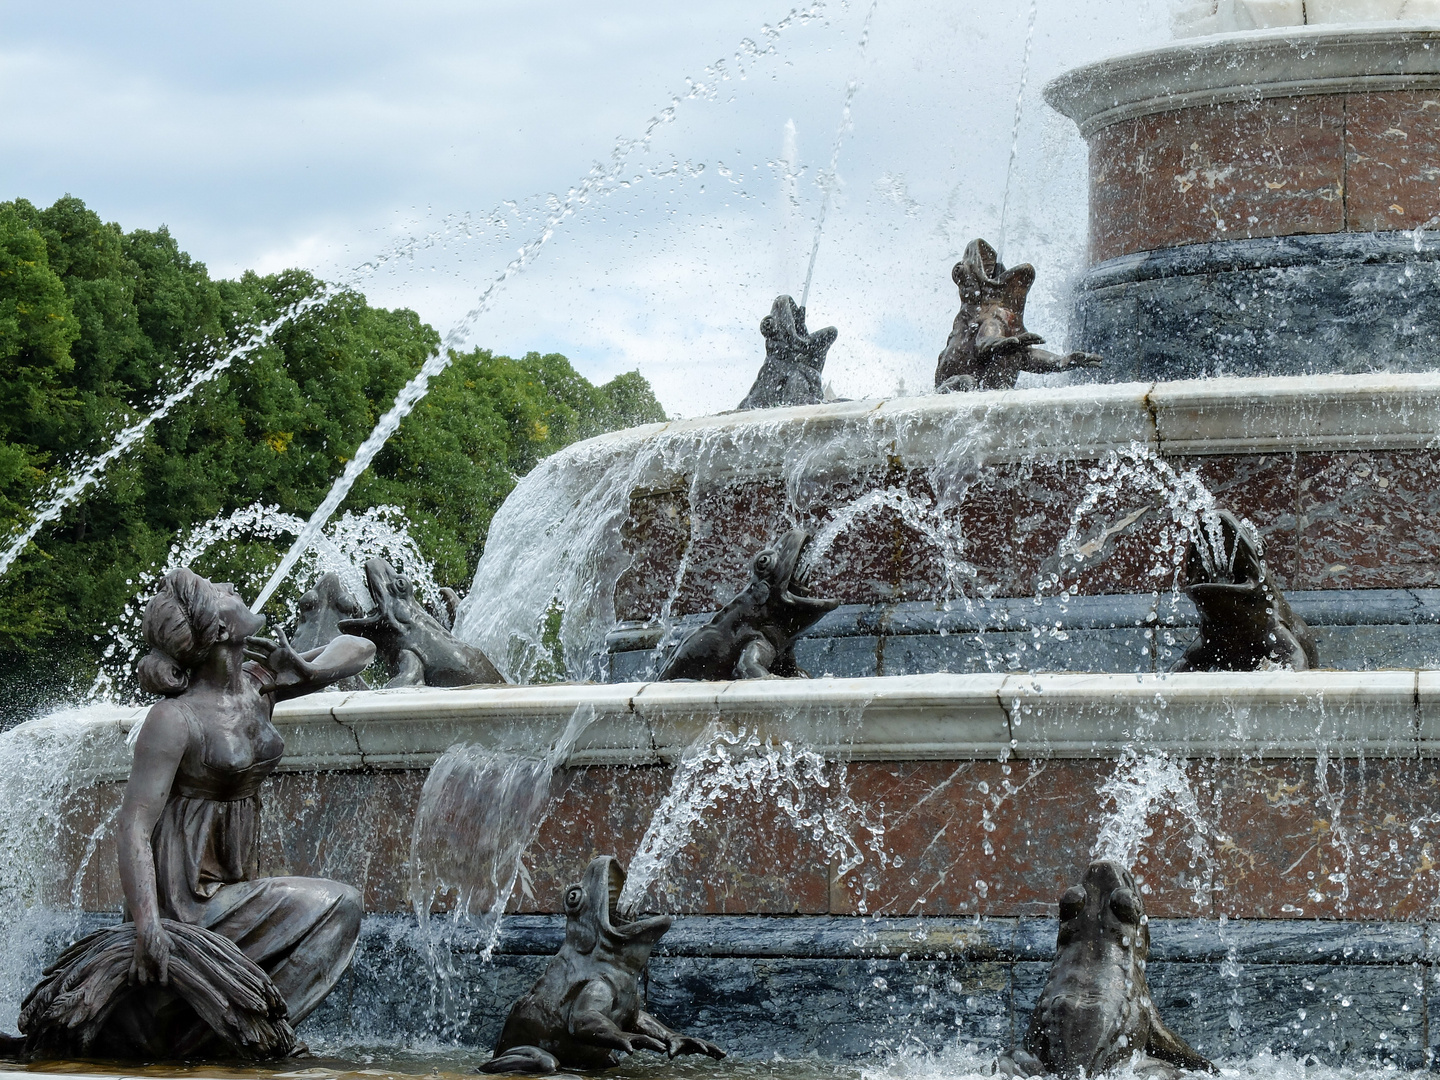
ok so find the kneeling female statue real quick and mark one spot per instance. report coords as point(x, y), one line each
point(212, 959)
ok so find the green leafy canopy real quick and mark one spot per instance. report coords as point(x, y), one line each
point(96, 324)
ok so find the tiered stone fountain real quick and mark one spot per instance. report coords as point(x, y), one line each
point(994, 705)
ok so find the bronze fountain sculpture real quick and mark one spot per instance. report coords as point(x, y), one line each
point(1096, 1012)
point(989, 345)
point(754, 635)
point(417, 648)
point(794, 359)
point(212, 959)
point(586, 1006)
point(1245, 620)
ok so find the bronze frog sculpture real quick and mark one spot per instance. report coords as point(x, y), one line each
point(322, 607)
point(989, 345)
point(417, 648)
point(585, 1008)
point(794, 359)
point(1245, 621)
point(753, 636)
point(1096, 1012)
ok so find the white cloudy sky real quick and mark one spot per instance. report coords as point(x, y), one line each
point(324, 134)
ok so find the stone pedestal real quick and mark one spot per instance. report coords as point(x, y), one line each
point(1255, 200)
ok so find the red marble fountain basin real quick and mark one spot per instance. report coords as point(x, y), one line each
point(979, 778)
point(1337, 472)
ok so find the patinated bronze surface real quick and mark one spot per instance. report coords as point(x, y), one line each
point(989, 345)
point(417, 648)
point(322, 607)
point(585, 1009)
point(794, 359)
point(1245, 621)
point(754, 635)
point(1096, 1012)
point(212, 959)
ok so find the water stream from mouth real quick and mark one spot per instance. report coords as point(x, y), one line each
point(599, 182)
point(725, 767)
point(1015, 127)
point(830, 178)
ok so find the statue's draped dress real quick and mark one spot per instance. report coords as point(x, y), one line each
point(302, 931)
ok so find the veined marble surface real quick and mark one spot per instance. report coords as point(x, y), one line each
point(1281, 714)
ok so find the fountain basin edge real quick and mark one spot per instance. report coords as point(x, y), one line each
point(895, 718)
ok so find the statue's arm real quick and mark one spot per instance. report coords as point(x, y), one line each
point(1042, 360)
point(158, 751)
point(285, 673)
point(675, 1043)
point(345, 656)
point(590, 1021)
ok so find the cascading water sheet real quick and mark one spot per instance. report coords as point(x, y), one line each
point(50, 819)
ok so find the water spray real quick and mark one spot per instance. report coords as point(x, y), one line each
point(1015, 128)
point(828, 179)
point(601, 180)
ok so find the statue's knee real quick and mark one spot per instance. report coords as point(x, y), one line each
point(349, 908)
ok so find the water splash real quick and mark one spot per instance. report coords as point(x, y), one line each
point(1139, 787)
point(44, 766)
point(90, 473)
point(829, 179)
point(559, 543)
point(1138, 474)
point(723, 764)
point(479, 811)
point(1015, 127)
point(602, 179)
point(378, 532)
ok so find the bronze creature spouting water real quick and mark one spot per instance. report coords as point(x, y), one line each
point(1245, 620)
point(1096, 1012)
point(585, 1008)
point(989, 345)
point(794, 359)
point(417, 648)
point(754, 635)
point(322, 608)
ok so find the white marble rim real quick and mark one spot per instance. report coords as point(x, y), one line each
point(1251, 65)
point(1278, 714)
point(1280, 414)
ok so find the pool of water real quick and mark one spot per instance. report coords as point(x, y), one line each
point(453, 1063)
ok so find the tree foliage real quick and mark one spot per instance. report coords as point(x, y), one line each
point(97, 324)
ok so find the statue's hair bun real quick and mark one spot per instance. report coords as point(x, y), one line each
point(181, 625)
point(159, 673)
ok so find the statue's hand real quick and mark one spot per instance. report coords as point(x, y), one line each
point(640, 1041)
point(286, 666)
point(1008, 344)
point(1083, 359)
point(685, 1044)
point(151, 962)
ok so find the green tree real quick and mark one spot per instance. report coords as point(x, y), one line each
point(96, 324)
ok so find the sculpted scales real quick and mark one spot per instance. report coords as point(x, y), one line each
point(754, 635)
point(585, 1008)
